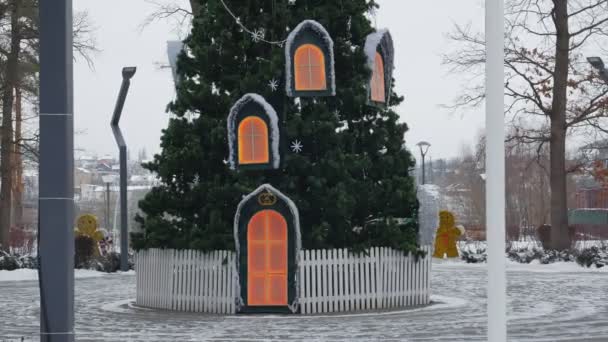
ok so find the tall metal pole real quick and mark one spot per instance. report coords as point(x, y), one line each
point(56, 188)
point(495, 171)
point(127, 73)
point(108, 206)
point(423, 169)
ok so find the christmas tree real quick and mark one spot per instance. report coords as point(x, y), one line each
point(343, 161)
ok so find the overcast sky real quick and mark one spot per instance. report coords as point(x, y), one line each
point(418, 29)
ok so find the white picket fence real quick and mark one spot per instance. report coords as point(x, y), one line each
point(336, 281)
point(186, 280)
point(329, 280)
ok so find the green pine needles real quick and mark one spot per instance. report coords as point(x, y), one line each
point(350, 181)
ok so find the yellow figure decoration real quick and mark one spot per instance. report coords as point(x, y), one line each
point(87, 226)
point(447, 234)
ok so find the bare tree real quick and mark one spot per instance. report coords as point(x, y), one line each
point(552, 92)
point(19, 68)
point(166, 10)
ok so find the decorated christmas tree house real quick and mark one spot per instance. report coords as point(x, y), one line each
point(285, 183)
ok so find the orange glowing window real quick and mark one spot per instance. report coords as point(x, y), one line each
point(253, 141)
point(267, 259)
point(309, 65)
point(378, 80)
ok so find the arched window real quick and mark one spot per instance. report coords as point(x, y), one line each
point(309, 63)
point(377, 82)
point(253, 141)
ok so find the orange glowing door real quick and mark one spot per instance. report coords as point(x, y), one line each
point(267, 259)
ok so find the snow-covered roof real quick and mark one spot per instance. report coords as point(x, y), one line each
point(383, 39)
point(274, 128)
point(320, 31)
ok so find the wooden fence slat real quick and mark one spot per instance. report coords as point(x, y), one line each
point(225, 285)
point(397, 285)
point(188, 275)
point(308, 280)
point(365, 280)
point(373, 277)
point(334, 281)
point(217, 278)
point(416, 282)
point(221, 294)
point(195, 282)
point(404, 279)
point(182, 277)
point(140, 272)
point(339, 276)
point(175, 281)
point(315, 294)
point(147, 279)
point(156, 279)
point(178, 283)
point(168, 275)
point(233, 280)
point(389, 255)
point(303, 283)
point(321, 288)
point(409, 279)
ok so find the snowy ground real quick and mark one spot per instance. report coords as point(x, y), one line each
point(560, 302)
point(29, 274)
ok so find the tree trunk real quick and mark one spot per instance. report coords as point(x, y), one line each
point(6, 142)
point(196, 6)
point(560, 239)
point(18, 164)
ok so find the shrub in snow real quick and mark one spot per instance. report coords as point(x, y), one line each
point(594, 256)
point(107, 263)
point(525, 255)
point(28, 261)
point(551, 256)
point(473, 252)
point(8, 262)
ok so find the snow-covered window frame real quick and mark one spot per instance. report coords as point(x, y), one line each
point(309, 32)
point(380, 42)
point(247, 107)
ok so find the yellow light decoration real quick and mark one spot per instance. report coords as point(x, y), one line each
point(447, 234)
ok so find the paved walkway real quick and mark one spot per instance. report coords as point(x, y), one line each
point(543, 306)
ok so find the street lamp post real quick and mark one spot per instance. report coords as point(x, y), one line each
point(107, 179)
point(598, 64)
point(127, 73)
point(424, 148)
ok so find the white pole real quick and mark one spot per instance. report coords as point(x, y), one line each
point(495, 170)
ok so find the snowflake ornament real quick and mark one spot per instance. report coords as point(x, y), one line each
point(297, 146)
point(258, 35)
point(273, 84)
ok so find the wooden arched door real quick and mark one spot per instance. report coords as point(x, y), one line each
point(267, 259)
